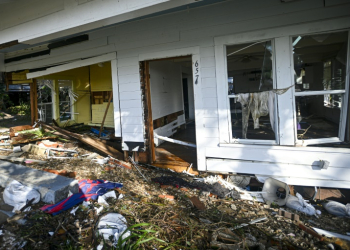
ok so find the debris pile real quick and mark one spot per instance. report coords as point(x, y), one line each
point(137, 205)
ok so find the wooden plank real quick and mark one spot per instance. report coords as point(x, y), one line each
point(8, 44)
point(104, 117)
point(98, 144)
point(33, 102)
point(148, 111)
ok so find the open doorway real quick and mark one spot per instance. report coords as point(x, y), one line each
point(170, 124)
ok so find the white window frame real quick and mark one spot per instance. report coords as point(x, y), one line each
point(345, 99)
point(254, 141)
point(284, 78)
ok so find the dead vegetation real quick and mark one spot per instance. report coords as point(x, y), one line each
point(162, 216)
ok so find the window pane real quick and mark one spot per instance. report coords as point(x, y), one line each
point(314, 119)
point(249, 67)
point(320, 61)
point(250, 116)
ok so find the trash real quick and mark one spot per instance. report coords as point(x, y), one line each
point(249, 223)
point(74, 210)
point(337, 208)
point(51, 233)
point(298, 203)
point(331, 234)
point(88, 189)
point(17, 149)
point(34, 149)
point(288, 215)
point(275, 191)
point(101, 161)
point(67, 153)
point(17, 195)
point(112, 226)
point(1, 233)
point(197, 203)
point(102, 199)
point(98, 210)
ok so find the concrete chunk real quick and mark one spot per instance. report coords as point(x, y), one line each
point(52, 188)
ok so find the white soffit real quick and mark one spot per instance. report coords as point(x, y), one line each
point(73, 65)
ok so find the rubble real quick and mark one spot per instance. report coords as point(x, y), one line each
point(162, 208)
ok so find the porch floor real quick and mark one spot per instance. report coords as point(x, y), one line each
point(175, 156)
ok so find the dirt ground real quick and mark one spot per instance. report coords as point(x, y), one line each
point(160, 223)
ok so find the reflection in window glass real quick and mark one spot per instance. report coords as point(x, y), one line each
point(314, 120)
point(249, 67)
point(320, 61)
point(250, 79)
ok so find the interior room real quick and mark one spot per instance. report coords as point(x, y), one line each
point(172, 102)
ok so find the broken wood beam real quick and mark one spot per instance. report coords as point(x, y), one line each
point(98, 144)
point(106, 111)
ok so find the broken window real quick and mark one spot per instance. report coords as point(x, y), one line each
point(320, 63)
point(250, 84)
point(66, 100)
point(45, 107)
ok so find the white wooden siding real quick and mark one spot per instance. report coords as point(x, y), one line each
point(195, 32)
point(166, 88)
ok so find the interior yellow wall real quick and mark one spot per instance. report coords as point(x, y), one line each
point(101, 80)
point(101, 77)
point(81, 86)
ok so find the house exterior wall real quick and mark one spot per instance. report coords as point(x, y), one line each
point(200, 30)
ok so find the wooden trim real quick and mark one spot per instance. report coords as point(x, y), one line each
point(146, 87)
point(33, 102)
point(160, 122)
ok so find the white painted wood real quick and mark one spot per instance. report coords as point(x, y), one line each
point(311, 182)
point(132, 120)
point(278, 170)
point(175, 141)
point(166, 88)
point(134, 137)
point(208, 72)
point(132, 86)
point(131, 112)
point(130, 95)
point(127, 104)
point(79, 47)
point(209, 92)
point(128, 70)
point(222, 90)
point(209, 82)
point(318, 141)
point(320, 92)
point(344, 111)
point(138, 129)
point(211, 122)
point(281, 154)
point(116, 98)
point(129, 78)
point(285, 129)
point(168, 53)
point(208, 62)
point(168, 129)
point(73, 65)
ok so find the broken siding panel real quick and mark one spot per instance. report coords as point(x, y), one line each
point(98, 112)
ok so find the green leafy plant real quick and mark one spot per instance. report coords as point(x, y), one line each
point(138, 236)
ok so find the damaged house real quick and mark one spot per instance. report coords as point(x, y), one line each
point(231, 86)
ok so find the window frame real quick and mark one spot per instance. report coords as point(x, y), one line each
point(282, 37)
point(232, 96)
point(344, 92)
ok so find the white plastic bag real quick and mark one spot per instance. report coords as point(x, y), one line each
point(298, 203)
point(337, 208)
point(112, 224)
point(16, 194)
